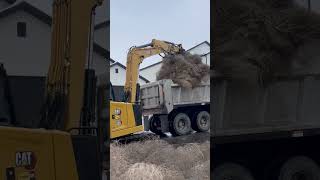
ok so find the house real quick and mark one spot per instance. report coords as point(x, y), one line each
point(118, 78)
point(25, 50)
point(118, 75)
point(25, 44)
point(203, 49)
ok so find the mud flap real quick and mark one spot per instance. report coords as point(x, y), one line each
point(164, 123)
point(137, 114)
point(146, 123)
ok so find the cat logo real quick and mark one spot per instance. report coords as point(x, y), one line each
point(25, 159)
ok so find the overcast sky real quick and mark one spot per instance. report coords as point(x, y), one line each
point(185, 22)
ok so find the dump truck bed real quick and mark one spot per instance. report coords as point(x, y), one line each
point(285, 106)
point(161, 97)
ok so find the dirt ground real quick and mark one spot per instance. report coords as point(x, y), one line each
point(178, 158)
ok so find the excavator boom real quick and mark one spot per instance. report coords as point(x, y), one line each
point(52, 154)
point(135, 57)
point(72, 24)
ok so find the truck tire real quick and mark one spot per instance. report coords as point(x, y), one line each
point(154, 124)
point(231, 171)
point(201, 121)
point(180, 125)
point(299, 168)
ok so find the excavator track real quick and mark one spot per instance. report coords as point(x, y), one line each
point(196, 137)
point(135, 138)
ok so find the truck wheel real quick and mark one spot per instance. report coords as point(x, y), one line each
point(231, 171)
point(180, 125)
point(299, 168)
point(201, 121)
point(154, 124)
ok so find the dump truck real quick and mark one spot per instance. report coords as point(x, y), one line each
point(168, 107)
point(268, 131)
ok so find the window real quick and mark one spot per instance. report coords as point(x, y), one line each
point(117, 70)
point(22, 29)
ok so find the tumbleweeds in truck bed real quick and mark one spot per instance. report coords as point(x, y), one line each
point(185, 69)
point(257, 39)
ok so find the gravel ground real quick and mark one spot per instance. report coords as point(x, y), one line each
point(172, 158)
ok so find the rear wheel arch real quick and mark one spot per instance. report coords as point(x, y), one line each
point(299, 166)
point(232, 171)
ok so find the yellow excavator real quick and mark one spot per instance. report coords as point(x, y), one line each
point(126, 116)
point(61, 148)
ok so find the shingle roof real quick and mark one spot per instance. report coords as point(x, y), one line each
point(22, 5)
point(102, 24)
point(100, 50)
point(113, 61)
point(204, 42)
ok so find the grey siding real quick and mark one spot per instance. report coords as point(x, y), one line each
point(34, 50)
point(3, 4)
point(99, 64)
point(28, 56)
point(101, 37)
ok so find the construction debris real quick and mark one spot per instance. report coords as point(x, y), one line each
point(257, 39)
point(185, 69)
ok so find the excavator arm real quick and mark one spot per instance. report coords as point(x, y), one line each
point(30, 153)
point(135, 57)
point(70, 48)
